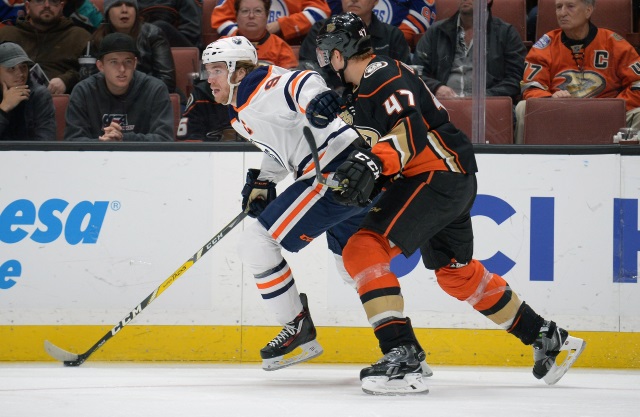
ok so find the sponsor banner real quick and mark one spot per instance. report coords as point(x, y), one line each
point(86, 236)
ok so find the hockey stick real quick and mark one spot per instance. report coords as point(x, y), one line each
point(308, 135)
point(73, 359)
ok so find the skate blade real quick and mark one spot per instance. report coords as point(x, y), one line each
point(426, 369)
point(411, 384)
point(574, 348)
point(310, 350)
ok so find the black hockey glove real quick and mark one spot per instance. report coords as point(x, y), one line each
point(257, 194)
point(324, 108)
point(358, 175)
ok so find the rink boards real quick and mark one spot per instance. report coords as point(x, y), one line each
point(86, 236)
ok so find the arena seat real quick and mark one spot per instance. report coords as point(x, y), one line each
point(296, 51)
point(611, 14)
point(498, 117)
point(177, 114)
point(60, 103)
point(573, 121)
point(513, 12)
point(187, 62)
point(209, 34)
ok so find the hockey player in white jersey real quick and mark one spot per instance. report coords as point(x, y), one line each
point(268, 108)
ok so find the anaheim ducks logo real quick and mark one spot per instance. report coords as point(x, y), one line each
point(331, 27)
point(347, 117)
point(582, 84)
point(370, 135)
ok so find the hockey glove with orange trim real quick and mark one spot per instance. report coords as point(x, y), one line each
point(357, 176)
point(257, 194)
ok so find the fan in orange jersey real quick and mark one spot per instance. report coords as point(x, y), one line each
point(252, 24)
point(581, 60)
point(425, 205)
point(291, 19)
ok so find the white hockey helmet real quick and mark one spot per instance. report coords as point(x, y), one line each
point(230, 50)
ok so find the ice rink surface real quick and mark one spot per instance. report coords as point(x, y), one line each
point(98, 389)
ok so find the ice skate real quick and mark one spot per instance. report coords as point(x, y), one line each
point(399, 372)
point(550, 342)
point(297, 333)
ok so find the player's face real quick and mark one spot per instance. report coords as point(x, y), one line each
point(122, 16)
point(218, 79)
point(14, 76)
point(572, 14)
point(337, 62)
point(118, 68)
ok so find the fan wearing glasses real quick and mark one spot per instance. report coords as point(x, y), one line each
point(251, 16)
point(52, 41)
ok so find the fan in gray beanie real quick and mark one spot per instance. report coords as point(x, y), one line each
point(110, 3)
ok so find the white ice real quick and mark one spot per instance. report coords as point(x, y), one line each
point(98, 389)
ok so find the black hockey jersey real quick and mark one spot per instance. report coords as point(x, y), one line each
point(407, 126)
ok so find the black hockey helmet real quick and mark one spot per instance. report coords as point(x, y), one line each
point(345, 32)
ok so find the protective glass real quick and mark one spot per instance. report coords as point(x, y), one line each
point(323, 56)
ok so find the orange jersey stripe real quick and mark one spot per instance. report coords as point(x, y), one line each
point(295, 212)
point(293, 86)
point(275, 281)
point(409, 200)
point(388, 323)
point(382, 85)
point(255, 92)
point(312, 165)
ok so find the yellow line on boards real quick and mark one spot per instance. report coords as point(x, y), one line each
point(467, 347)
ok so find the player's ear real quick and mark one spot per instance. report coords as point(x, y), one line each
point(239, 74)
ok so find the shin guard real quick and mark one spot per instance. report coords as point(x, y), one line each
point(486, 292)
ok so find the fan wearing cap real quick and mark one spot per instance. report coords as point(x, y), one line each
point(154, 50)
point(119, 103)
point(26, 111)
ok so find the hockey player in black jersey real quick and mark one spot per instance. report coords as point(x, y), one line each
point(426, 167)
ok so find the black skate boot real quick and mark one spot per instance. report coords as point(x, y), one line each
point(550, 342)
point(399, 372)
point(299, 332)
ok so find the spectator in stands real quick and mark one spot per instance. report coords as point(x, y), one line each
point(251, 16)
point(445, 53)
point(26, 109)
point(83, 13)
point(386, 39)
point(119, 103)
point(11, 11)
point(581, 60)
point(205, 120)
point(291, 20)
point(181, 20)
point(52, 41)
point(412, 17)
point(152, 44)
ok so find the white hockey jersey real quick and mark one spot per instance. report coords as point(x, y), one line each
point(270, 112)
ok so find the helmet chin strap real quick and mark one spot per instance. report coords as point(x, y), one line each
point(231, 88)
point(341, 73)
point(231, 66)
